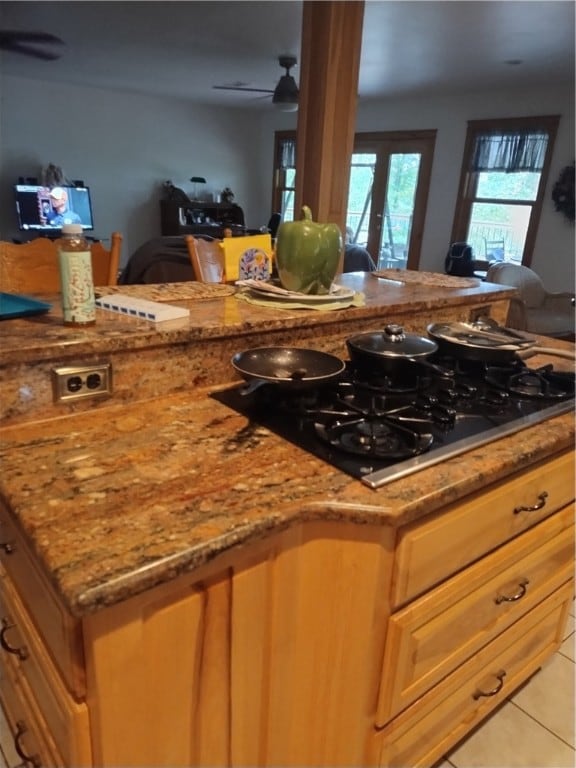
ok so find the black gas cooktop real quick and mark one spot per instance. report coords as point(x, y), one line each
point(378, 430)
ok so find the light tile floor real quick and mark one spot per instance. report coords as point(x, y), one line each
point(533, 729)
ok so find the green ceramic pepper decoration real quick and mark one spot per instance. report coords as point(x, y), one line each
point(307, 254)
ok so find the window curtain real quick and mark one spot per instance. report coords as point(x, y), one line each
point(288, 153)
point(510, 152)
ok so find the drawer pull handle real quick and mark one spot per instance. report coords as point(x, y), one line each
point(516, 596)
point(539, 504)
point(33, 760)
point(21, 652)
point(497, 688)
point(7, 546)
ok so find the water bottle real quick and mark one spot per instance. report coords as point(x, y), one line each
point(76, 281)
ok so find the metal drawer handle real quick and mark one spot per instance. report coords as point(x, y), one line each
point(33, 760)
point(21, 652)
point(539, 504)
point(497, 688)
point(516, 596)
point(7, 546)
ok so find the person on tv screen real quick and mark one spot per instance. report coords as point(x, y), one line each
point(60, 214)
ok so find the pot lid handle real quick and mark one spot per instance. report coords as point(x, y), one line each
point(394, 333)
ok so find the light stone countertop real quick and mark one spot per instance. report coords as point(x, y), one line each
point(116, 501)
point(43, 337)
point(160, 479)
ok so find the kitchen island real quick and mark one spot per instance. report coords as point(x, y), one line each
point(193, 590)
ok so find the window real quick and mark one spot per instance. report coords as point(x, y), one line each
point(284, 185)
point(504, 173)
point(389, 180)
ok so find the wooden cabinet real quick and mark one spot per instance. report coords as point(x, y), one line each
point(329, 643)
point(199, 218)
point(271, 658)
point(60, 720)
point(481, 594)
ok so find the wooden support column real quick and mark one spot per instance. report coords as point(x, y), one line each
point(330, 61)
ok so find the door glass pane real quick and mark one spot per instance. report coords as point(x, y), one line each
point(287, 211)
point(497, 231)
point(360, 196)
point(398, 210)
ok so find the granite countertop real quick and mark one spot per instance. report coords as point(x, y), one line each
point(116, 501)
point(215, 312)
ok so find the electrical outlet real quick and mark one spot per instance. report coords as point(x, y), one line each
point(80, 382)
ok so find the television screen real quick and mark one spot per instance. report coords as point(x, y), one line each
point(47, 209)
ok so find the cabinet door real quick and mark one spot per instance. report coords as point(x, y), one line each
point(432, 550)
point(434, 634)
point(29, 737)
point(60, 633)
point(66, 719)
point(269, 657)
point(434, 723)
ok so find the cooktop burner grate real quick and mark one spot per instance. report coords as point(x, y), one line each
point(378, 429)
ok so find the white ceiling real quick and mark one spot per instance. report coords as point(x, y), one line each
point(182, 48)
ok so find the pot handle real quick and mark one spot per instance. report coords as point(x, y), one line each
point(565, 353)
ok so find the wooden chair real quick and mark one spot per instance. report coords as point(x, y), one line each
point(106, 263)
point(33, 267)
point(207, 259)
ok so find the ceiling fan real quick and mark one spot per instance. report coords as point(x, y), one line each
point(30, 43)
point(284, 96)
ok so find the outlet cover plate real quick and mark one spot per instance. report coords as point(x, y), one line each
point(80, 382)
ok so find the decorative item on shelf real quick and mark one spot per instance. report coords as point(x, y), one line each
point(307, 254)
point(563, 192)
point(197, 180)
point(175, 194)
point(227, 196)
point(54, 176)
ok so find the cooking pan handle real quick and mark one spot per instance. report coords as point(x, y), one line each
point(252, 386)
point(536, 350)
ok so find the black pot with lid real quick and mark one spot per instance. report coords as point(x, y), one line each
point(390, 350)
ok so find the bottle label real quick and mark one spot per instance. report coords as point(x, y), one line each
point(78, 302)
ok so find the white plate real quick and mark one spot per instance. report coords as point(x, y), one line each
point(276, 293)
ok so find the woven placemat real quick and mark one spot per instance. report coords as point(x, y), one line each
point(169, 291)
point(427, 278)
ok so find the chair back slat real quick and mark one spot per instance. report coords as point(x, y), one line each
point(33, 267)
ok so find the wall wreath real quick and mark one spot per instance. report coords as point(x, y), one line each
point(563, 192)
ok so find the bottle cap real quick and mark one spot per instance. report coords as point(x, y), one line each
point(72, 229)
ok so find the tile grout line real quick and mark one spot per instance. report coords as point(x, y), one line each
point(545, 727)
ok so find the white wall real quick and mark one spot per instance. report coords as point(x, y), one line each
point(125, 145)
point(554, 249)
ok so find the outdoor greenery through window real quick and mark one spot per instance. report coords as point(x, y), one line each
point(504, 175)
point(389, 180)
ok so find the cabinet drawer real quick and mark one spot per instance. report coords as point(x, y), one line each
point(61, 634)
point(432, 550)
point(33, 750)
point(433, 724)
point(66, 719)
point(439, 631)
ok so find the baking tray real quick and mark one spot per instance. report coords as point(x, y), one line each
point(13, 305)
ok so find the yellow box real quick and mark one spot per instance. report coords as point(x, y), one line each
point(247, 257)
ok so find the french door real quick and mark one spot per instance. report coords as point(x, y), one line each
point(389, 182)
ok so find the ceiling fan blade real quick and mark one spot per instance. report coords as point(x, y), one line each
point(241, 88)
point(28, 43)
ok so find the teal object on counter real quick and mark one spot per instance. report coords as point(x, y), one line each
point(307, 254)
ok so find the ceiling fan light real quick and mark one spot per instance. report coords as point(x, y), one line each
point(285, 96)
point(282, 106)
